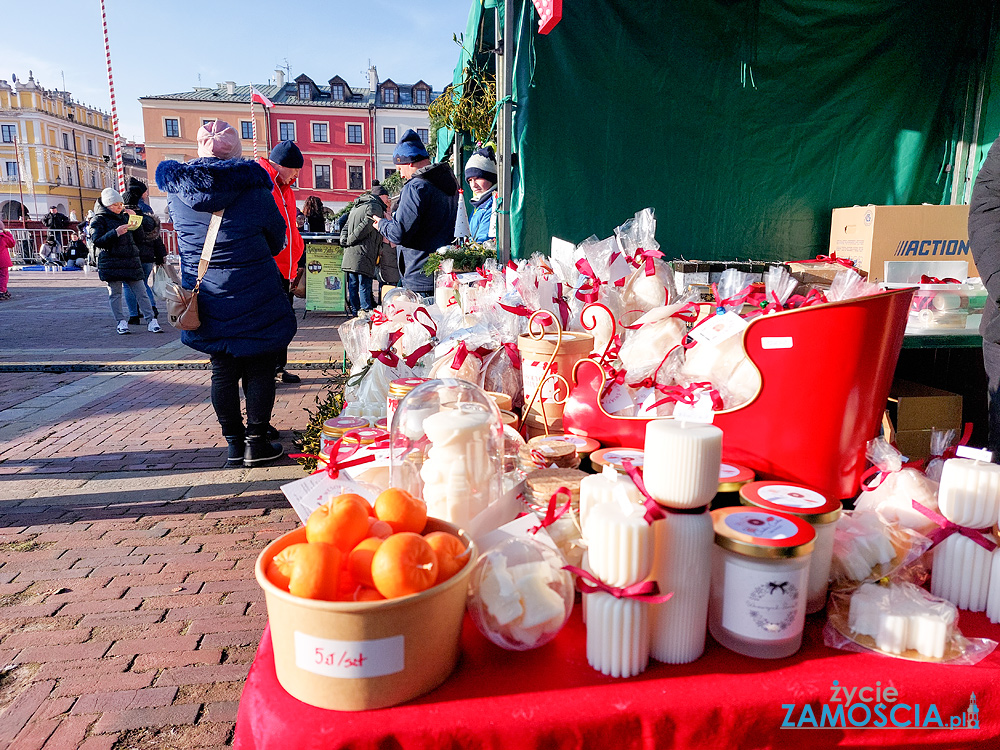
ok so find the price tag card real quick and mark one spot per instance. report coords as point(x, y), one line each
point(700, 411)
point(617, 399)
point(646, 397)
point(718, 328)
point(349, 659)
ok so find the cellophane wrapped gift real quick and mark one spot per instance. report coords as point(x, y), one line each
point(463, 358)
point(651, 284)
point(895, 488)
point(355, 335)
point(779, 285)
point(867, 547)
point(901, 619)
point(848, 284)
point(941, 441)
point(657, 332)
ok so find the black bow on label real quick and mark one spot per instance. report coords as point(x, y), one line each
point(777, 586)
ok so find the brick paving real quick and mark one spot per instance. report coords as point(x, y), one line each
point(129, 614)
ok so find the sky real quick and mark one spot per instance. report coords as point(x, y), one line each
point(174, 45)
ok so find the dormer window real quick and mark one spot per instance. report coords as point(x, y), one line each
point(304, 91)
point(420, 96)
point(389, 95)
point(337, 92)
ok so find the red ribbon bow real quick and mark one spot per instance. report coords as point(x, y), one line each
point(655, 511)
point(644, 591)
point(832, 258)
point(413, 357)
point(387, 356)
point(735, 301)
point(521, 310)
point(680, 394)
point(339, 455)
point(947, 528)
point(925, 279)
point(551, 514)
point(812, 297)
point(649, 256)
point(589, 290)
point(430, 326)
point(513, 354)
point(378, 317)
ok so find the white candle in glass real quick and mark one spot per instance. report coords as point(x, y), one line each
point(617, 634)
point(682, 459)
point(969, 493)
point(682, 565)
point(961, 572)
point(620, 543)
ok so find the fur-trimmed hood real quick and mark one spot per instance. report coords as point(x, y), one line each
point(210, 184)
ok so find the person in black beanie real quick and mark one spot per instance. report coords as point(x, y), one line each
point(152, 251)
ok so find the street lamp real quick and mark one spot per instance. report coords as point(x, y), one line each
point(79, 182)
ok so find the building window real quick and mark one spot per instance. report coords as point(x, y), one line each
point(65, 141)
point(420, 96)
point(90, 147)
point(388, 135)
point(206, 122)
point(356, 178)
point(388, 95)
point(321, 176)
point(69, 176)
point(387, 173)
point(12, 171)
point(286, 131)
point(354, 134)
point(246, 130)
point(304, 92)
point(320, 132)
point(422, 134)
point(172, 127)
point(337, 92)
point(7, 132)
point(93, 179)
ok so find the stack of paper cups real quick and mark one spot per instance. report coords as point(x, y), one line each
point(682, 472)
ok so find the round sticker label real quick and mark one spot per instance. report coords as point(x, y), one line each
point(762, 525)
point(791, 496)
point(727, 471)
point(577, 441)
point(616, 457)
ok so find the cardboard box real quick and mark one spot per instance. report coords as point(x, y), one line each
point(914, 443)
point(871, 235)
point(918, 409)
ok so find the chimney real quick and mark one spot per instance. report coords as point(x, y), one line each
point(231, 87)
point(372, 79)
point(280, 73)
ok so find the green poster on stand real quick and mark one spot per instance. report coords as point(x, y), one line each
point(324, 285)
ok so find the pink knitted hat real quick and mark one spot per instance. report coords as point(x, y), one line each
point(218, 139)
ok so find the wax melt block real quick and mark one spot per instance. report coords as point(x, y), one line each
point(500, 595)
point(540, 602)
point(867, 604)
point(903, 617)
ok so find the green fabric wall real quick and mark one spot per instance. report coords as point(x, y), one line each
point(643, 103)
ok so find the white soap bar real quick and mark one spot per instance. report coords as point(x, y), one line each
point(500, 594)
point(865, 609)
point(969, 493)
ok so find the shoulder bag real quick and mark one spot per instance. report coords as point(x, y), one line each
point(182, 304)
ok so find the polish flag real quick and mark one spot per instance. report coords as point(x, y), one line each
point(259, 98)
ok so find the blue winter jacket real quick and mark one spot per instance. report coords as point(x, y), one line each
point(423, 222)
point(479, 224)
point(242, 303)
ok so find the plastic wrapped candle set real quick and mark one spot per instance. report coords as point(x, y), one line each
point(682, 474)
point(620, 545)
point(901, 618)
point(760, 578)
point(819, 511)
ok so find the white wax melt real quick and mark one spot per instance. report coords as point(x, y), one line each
point(902, 617)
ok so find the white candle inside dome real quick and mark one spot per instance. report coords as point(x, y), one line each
point(969, 492)
point(682, 460)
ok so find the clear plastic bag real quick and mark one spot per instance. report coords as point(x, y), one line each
point(659, 332)
point(901, 620)
point(892, 493)
point(867, 547)
point(164, 274)
point(848, 284)
point(779, 285)
point(732, 289)
point(941, 441)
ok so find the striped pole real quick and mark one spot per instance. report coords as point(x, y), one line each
point(253, 123)
point(114, 108)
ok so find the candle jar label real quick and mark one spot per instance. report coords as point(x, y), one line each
point(727, 471)
point(764, 604)
point(792, 496)
point(616, 458)
point(762, 525)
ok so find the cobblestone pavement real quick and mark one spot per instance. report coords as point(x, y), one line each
point(129, 613)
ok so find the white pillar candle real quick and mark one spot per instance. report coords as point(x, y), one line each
point(682, 564)
point(605, 487)
point(961, 572)
point(969, 493)
point(682, 459)
point(617, 634)
point(993, 598)
point(620, 543)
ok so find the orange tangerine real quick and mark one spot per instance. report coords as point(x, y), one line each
point(279, 570)
point(404, 564)
point(401, 510)
point(451, 552)
point(365, 594)
point(316, 571)
point(359, 561)
point(342, 522)
point(379, 528)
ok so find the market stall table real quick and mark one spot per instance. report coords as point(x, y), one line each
point(550, 698)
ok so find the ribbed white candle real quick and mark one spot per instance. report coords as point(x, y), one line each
point(605, 487)
point(682, 459)
point(961, 572)
point(969, 493)
point(683, 565)
point(620, 543)
point(617, 635)
point(993, 598)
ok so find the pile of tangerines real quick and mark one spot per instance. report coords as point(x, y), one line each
point(357, 552)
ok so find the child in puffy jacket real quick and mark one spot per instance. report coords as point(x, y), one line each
point(6, 245)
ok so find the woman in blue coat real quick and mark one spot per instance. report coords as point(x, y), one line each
point(246, 318)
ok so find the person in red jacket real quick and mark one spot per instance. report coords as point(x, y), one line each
point(283, 165)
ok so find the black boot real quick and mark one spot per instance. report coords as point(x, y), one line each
point(237, 449)
point(260, 450)
point(272, 433)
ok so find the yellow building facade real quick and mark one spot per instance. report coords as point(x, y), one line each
point(53, 152)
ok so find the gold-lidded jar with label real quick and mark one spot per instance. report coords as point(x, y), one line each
point(398, 388)
point(731, 478)
point(614, 457)
point(760, 581)
point(813, 507)
point(336, 428)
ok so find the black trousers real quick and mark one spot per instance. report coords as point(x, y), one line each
point(257, 376)
point(991, 360)
point(282, 359)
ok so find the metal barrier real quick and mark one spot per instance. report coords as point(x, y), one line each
point(27, 243)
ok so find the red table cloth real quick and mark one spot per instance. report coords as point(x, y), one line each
point(550, 698)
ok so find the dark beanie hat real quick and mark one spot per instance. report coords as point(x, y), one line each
point(379, 190)
point(409, 149)
point(287, 154)
point(134, 190)
point(482, 163)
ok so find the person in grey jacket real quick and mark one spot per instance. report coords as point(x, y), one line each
point(361, 242)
